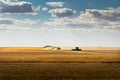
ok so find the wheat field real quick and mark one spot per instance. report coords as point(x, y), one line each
point(38, 64)
point(63, 56)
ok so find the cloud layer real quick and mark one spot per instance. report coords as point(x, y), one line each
point(9, 24)
point(62, 12)
point(90, 19)
point(5, 21)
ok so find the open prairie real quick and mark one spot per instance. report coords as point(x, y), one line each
point(38, 64)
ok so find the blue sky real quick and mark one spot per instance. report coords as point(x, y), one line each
point(33, 23)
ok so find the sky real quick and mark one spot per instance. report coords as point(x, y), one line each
point(85, 23)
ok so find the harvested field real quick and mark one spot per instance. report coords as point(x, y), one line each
point(59, 71)
point(59, 65)
point(62, 56)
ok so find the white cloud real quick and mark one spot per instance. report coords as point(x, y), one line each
point(62, 12)
point(55, 4)
point(17, 7)
point(108, 19)
point(44, 9)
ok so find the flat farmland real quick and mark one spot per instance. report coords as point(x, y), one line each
point(36, 64)
point(62, 56)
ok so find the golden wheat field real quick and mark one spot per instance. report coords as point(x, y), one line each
point(40, 55)
point(38, 64)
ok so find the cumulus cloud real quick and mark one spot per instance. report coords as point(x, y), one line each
point(109, 15)
point(55, 4)
point(62, 12)
point(90, 19)
point(44, 9)
point(16, 7)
